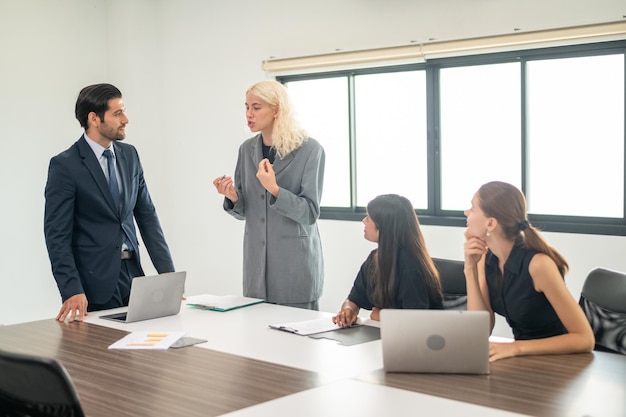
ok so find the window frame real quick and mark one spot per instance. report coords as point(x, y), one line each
point(434, 214)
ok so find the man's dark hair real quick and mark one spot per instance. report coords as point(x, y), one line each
point(94, 98)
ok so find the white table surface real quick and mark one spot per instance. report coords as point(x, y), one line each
point(245, 332)
point(355, 398)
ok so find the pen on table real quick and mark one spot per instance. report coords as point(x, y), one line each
point(204, 306)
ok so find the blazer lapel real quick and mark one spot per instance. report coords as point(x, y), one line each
point(93, 166)
point(257, 155)
point(256, 151)
point(280, 164)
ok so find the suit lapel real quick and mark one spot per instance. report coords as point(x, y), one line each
point(93, 166)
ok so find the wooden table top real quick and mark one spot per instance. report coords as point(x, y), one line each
point(196, 381)
point(176, 382)
point(586, 384)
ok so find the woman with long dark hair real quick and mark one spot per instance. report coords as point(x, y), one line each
point(511, 270)
point(399, 273)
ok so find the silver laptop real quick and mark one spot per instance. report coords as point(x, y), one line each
point(435, 341)
point(153, 296)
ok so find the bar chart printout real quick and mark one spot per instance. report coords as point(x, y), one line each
point(147, 340)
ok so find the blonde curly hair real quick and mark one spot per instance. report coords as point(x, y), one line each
point(287, 135)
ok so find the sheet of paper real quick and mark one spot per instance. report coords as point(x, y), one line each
point(147, 340)
point(308, 327)
point(221, 302)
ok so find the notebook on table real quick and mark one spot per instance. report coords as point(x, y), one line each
point(435, 341)
point(152, 297)
point(221, 302)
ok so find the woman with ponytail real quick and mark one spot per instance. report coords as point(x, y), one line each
point(511, 270)
point(399, 273)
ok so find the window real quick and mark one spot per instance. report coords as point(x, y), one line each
point(575, 119)
point(479, 130)
point(390, 132)
point(322, 106)
point(550, 121)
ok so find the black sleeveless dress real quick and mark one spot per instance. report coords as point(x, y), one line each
point(513, 296)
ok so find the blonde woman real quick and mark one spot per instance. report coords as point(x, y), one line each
point(277, 190)
point(511, 270)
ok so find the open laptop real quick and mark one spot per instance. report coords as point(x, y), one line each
point(153, 296)
point(435, 341)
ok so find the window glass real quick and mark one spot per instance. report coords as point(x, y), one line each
point(480, 131)
point(549, 121)
point(575, 120)
point(391, 132)
point(322, 106)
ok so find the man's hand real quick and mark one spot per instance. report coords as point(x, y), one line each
point(74, 307)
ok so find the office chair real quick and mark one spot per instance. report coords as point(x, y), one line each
point(603, 299)
point(453, 283)
point(34, 386)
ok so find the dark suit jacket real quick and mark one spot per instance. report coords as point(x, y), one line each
point(84, 232)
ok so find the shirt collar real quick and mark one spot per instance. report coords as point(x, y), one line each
point(96, 147)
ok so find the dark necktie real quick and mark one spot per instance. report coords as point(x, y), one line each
point(113, 188)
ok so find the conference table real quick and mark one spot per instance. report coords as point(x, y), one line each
point(247, 368)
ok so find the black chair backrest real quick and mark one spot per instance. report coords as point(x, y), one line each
point(453, 283)
point(36, 386)
point(452, 276)
point(603, 299)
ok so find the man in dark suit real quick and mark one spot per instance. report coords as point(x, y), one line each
point(90, 204)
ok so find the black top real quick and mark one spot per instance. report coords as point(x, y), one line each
point(412, 289)
point(528, 312)
point(269, 152)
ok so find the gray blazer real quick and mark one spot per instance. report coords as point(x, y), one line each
point(282, 250)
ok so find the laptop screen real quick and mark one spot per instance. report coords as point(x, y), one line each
point(152, 297)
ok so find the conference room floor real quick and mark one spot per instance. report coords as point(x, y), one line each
point(266, 372)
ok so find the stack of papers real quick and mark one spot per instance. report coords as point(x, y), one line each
point(308, 327)
point(221, 302)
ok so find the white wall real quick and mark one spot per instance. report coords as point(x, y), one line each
point(45, 58)
point(183, 67)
